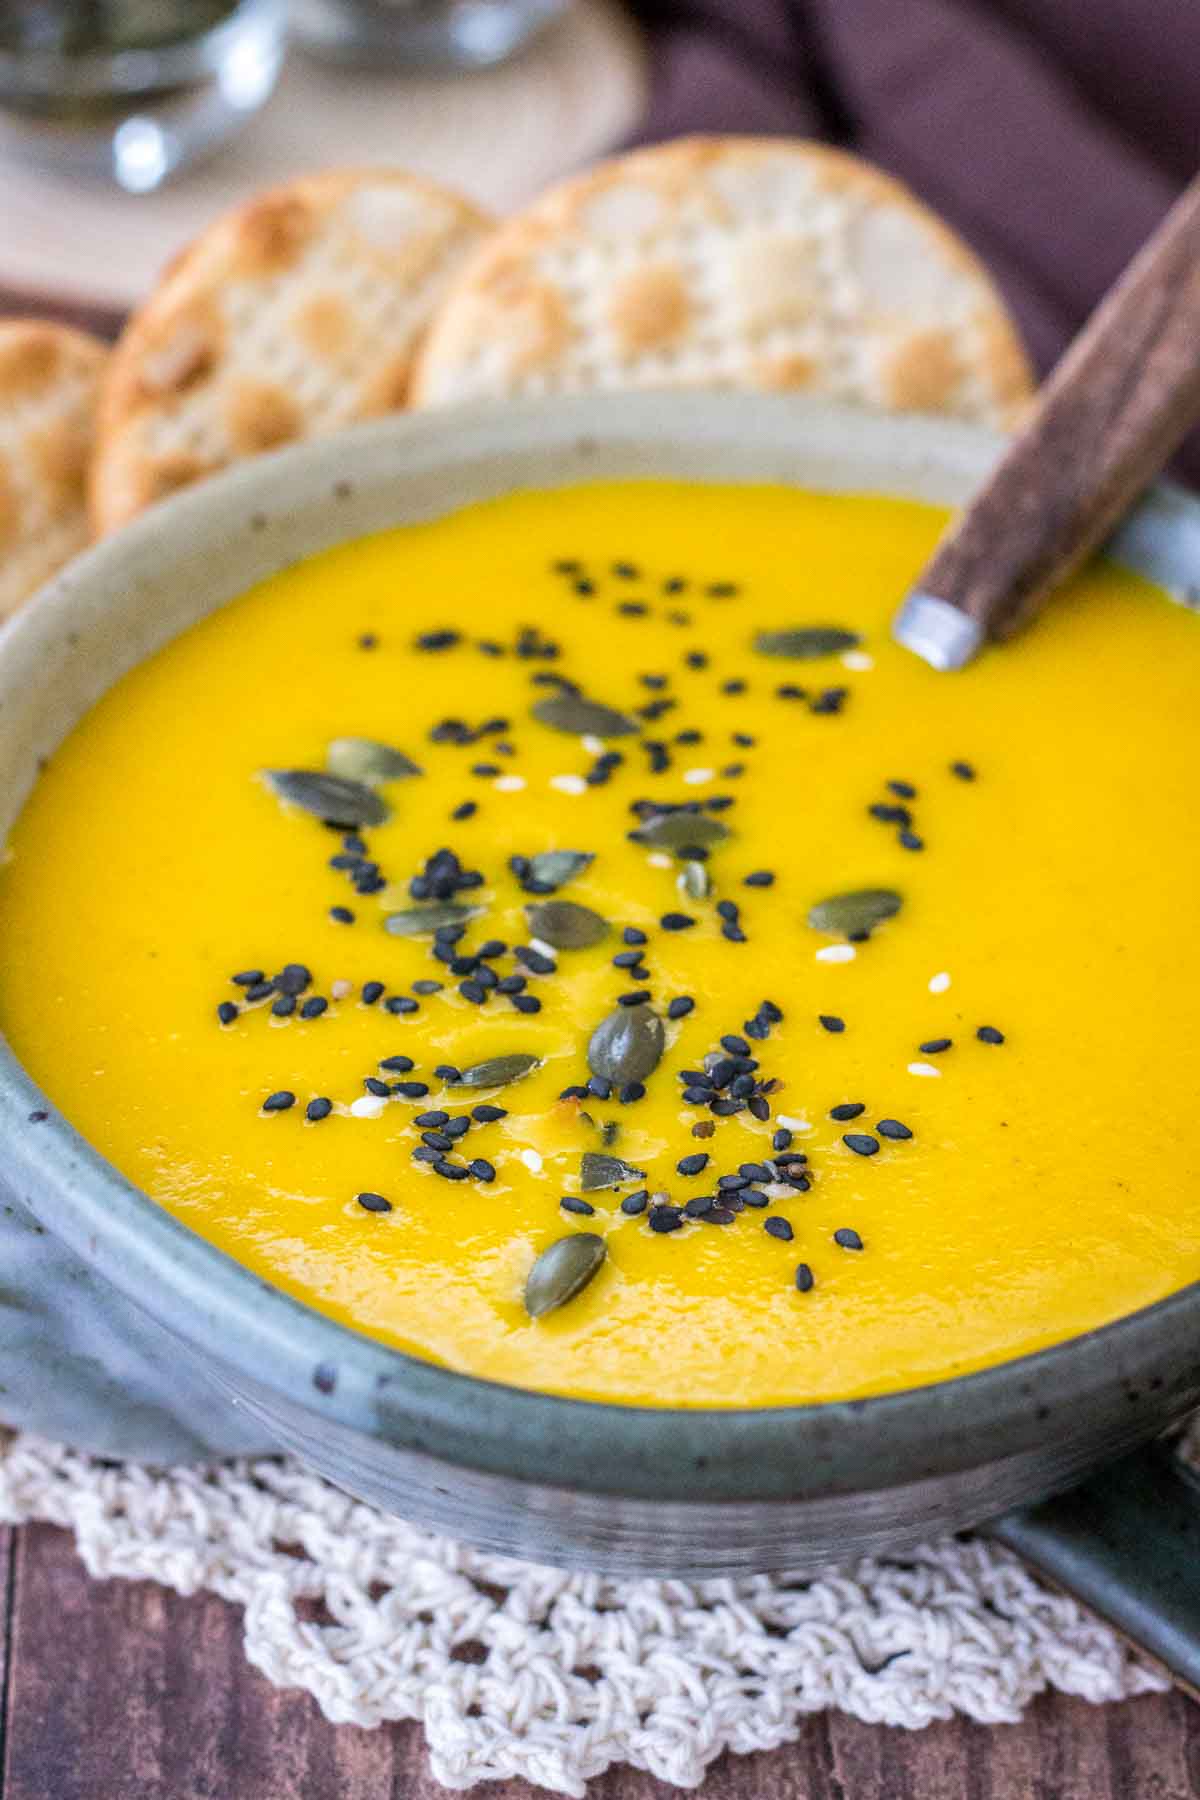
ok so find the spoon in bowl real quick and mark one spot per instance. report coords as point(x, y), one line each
point(1120, 401)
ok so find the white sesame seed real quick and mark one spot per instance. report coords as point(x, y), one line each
point(939, 983)
point(858, 660)
point(836, 953)
point(532, 1161)
point(341, 989)
point(569, 784)
point(541, 946)
point(509, 784)
point(922, 1068)
point(697, 777)
point(658, 859)
point(791, 1123)
point(368, 1106)
point(592, 744)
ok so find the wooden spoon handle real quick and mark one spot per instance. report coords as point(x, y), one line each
point(1119, 402)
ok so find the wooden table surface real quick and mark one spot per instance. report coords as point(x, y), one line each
point(122, 1691)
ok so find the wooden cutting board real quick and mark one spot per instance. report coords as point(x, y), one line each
point(499, 135)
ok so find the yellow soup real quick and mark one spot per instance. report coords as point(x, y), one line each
point(824, 1153)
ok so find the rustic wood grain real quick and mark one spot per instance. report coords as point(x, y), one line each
point(1118, 404)
point(120, 1691)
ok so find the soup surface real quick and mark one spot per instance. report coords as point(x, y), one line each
point(813, 1150)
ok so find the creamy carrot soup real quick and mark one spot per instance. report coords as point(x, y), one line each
point(570, 942)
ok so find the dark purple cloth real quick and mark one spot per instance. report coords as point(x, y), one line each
point(1053, 134)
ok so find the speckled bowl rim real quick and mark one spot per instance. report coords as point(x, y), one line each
point(232, 1316)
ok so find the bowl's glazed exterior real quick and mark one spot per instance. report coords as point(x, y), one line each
point(127, 1334)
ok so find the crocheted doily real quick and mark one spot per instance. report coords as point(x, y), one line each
point(516, 1670)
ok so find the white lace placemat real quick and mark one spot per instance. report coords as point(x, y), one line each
point(516, 1670)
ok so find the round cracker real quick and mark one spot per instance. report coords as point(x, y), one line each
point(740, 262)
point(292, 316)
point(49, 376)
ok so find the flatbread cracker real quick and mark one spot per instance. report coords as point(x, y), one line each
point(290, 317)
point(49, 377)
point(730, 262)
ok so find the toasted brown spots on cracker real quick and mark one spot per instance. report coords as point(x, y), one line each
point(29, 362)
point(59, 456)
point(10, 510)
point(166, 475)
point(649, 309)
point(387, 391)
point(323, 325)
point(260, 416)
point(786, 374)
point(920, 372)
point(272, 233)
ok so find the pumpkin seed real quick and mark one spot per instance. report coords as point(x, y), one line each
point(599, 1171)
point(849, 914)
point(805, 643)
point(423, 921)
point(680, 831)
point(566, 925)
point(328, 797)
point(497, 1071)
point(693, 881)
point(583, 717)
point(627, 1045)
point(362, 759)
point(562, 1271)
point(556, 867)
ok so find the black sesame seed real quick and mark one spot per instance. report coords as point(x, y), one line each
point(426, 986)
point(665, 1218)
point(458, 1127)
point(371, 992)
point(411, 1090)
point(753, 1171)
point(736, 1046)
point(633, 1204)
point(804, 1278)
point(848, 1238)
point(279, 1101)
point(987, 1034)
point(467, 809)
point(963, 770)
point(934, 1046)
point(725, 1109)
point(527, 1003)
point(627, 959)
point(782, 1139)
point(227, 1012)
point(247, 978)
point(437, 1140)
point(850, 1109)
point(314, 1007)
point(482, 1169)
point(892, 1128)
point(676, 921)
point(908, 840)
point(631, 935)
point(341, 915)
point(320, 1108)
point(373, 1085)
point(638, 997)
point(696, 1209)
point(293, 978)
point(759, 878)
point(374, 1202)
point(401, 1004)
point(486, 1115)
point(903, 790)
point(692, 1165)
point(779, 1228)
point(431, 1119)
point(758, 1108)
point(831, 1022)
point(861, 1142)
point(697, 1096)
point(696, 659)
point(473, 991)
point(572, 1204)
point(680, 1007)
point(574, 1093)
point(259, 990)
point(450, 1171)
point(284, 1006)
point(633, 1090)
